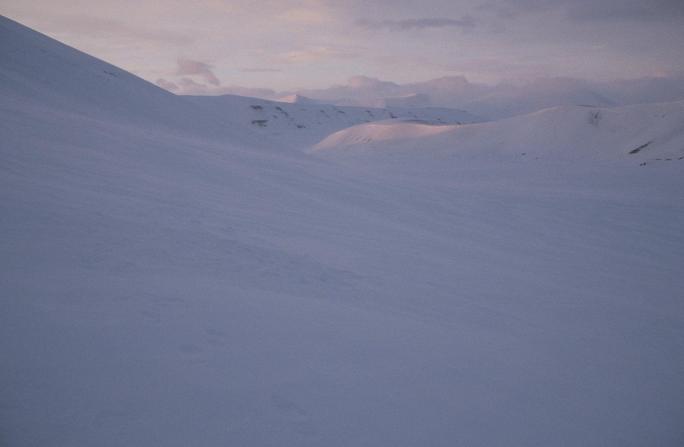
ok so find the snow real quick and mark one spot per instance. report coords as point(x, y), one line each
point(297, 99)
point(301, 123)
point(508, 98)
point(412, 100)
point(172, 276)
point(644, 132)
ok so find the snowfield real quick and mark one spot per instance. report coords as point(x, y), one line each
point(646, 132)
point(175, 277)
point(302, 123)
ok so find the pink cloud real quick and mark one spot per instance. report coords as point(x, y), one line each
point(189, 67)
point(167, 85)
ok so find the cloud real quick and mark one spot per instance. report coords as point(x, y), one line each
point(505, 98)
point(633, 10)
point(184, 86)
point(356, 88)
point(167, 85)
point(591, 10)
point(107, 29)
point(187, 86)
point(360, 81)
point(320, 42)
point(315, 54)
point(464, 22)
point(189, 67)
point(260, 70)
point(305, 16)
point(265, 93)
point(193, 77)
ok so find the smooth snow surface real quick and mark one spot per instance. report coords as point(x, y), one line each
point(636, 133)
point(171, 279)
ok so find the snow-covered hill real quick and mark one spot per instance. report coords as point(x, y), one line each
point(302, 123)
point(297, 99)
point(507, 98)
point(412, 100)
point(38, 72)
point(169, 278)
point(638, 133)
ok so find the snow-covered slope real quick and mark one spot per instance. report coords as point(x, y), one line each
point(297, 99)
point(411, 100)
point(38, 71)
point(643, 132)
point(168, 284)
point(90, 87)
point(303, 123)
point(506, 100)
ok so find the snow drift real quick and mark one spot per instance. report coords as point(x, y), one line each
point(643, 132)
point(169, 278)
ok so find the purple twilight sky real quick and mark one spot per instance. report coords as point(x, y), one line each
point(286, 45)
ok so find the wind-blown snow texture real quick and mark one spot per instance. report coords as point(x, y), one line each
point(171, 279)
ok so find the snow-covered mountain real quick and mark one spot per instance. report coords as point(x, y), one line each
point(39, 73)
point(412, 100)
point(638, 133)
point(505, 99)
point(171, 275)
point(303, 123)
point(298, 99)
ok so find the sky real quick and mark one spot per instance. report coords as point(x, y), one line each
point(289, 45)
